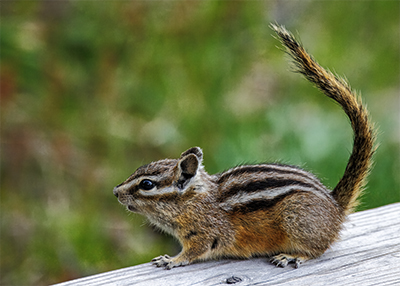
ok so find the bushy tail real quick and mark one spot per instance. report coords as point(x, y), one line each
point(351, 184)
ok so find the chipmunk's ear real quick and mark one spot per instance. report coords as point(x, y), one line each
point(189, 163)
point(194, 150)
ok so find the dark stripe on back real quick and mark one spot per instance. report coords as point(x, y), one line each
point(255, 186)
point(261, 168)
point(261, 204)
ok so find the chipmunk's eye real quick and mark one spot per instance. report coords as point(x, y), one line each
point(146, 185)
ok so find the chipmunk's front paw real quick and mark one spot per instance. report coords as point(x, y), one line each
point(282, 260)
point(167, 262)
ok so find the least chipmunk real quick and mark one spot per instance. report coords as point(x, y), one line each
point(273, 210)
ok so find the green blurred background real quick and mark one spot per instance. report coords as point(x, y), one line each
point(91, 90)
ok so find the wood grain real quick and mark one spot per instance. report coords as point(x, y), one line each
point(367, 254)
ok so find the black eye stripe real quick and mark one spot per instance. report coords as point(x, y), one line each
point(146, 184)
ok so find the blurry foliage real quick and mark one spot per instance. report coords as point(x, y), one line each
point(92, 90)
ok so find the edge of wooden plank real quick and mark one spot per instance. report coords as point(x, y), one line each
point(368, 253)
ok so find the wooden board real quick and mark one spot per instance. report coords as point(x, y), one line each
point(367, 254)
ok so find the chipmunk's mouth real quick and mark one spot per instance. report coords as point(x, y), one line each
point(132, 208)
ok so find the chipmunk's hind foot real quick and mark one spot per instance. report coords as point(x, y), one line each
point(282, 260)
point(168, 262)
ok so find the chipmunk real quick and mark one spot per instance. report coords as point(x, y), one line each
point(272, 210)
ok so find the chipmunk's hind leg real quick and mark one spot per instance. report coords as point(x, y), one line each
point(282, 260)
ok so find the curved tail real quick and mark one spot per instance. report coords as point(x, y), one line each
point(351, 184)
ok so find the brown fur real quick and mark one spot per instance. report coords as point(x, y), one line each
point(351, 185)
point(266, 209)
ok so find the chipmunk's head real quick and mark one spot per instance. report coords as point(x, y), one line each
point(154, 188)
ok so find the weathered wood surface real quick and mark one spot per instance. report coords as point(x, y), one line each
point(367, 254)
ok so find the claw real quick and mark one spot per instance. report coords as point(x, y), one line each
point(167, 262)
point(165, 256)
point(282, 260)
point(162, 260)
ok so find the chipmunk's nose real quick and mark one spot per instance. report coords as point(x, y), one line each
point(115, 191)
